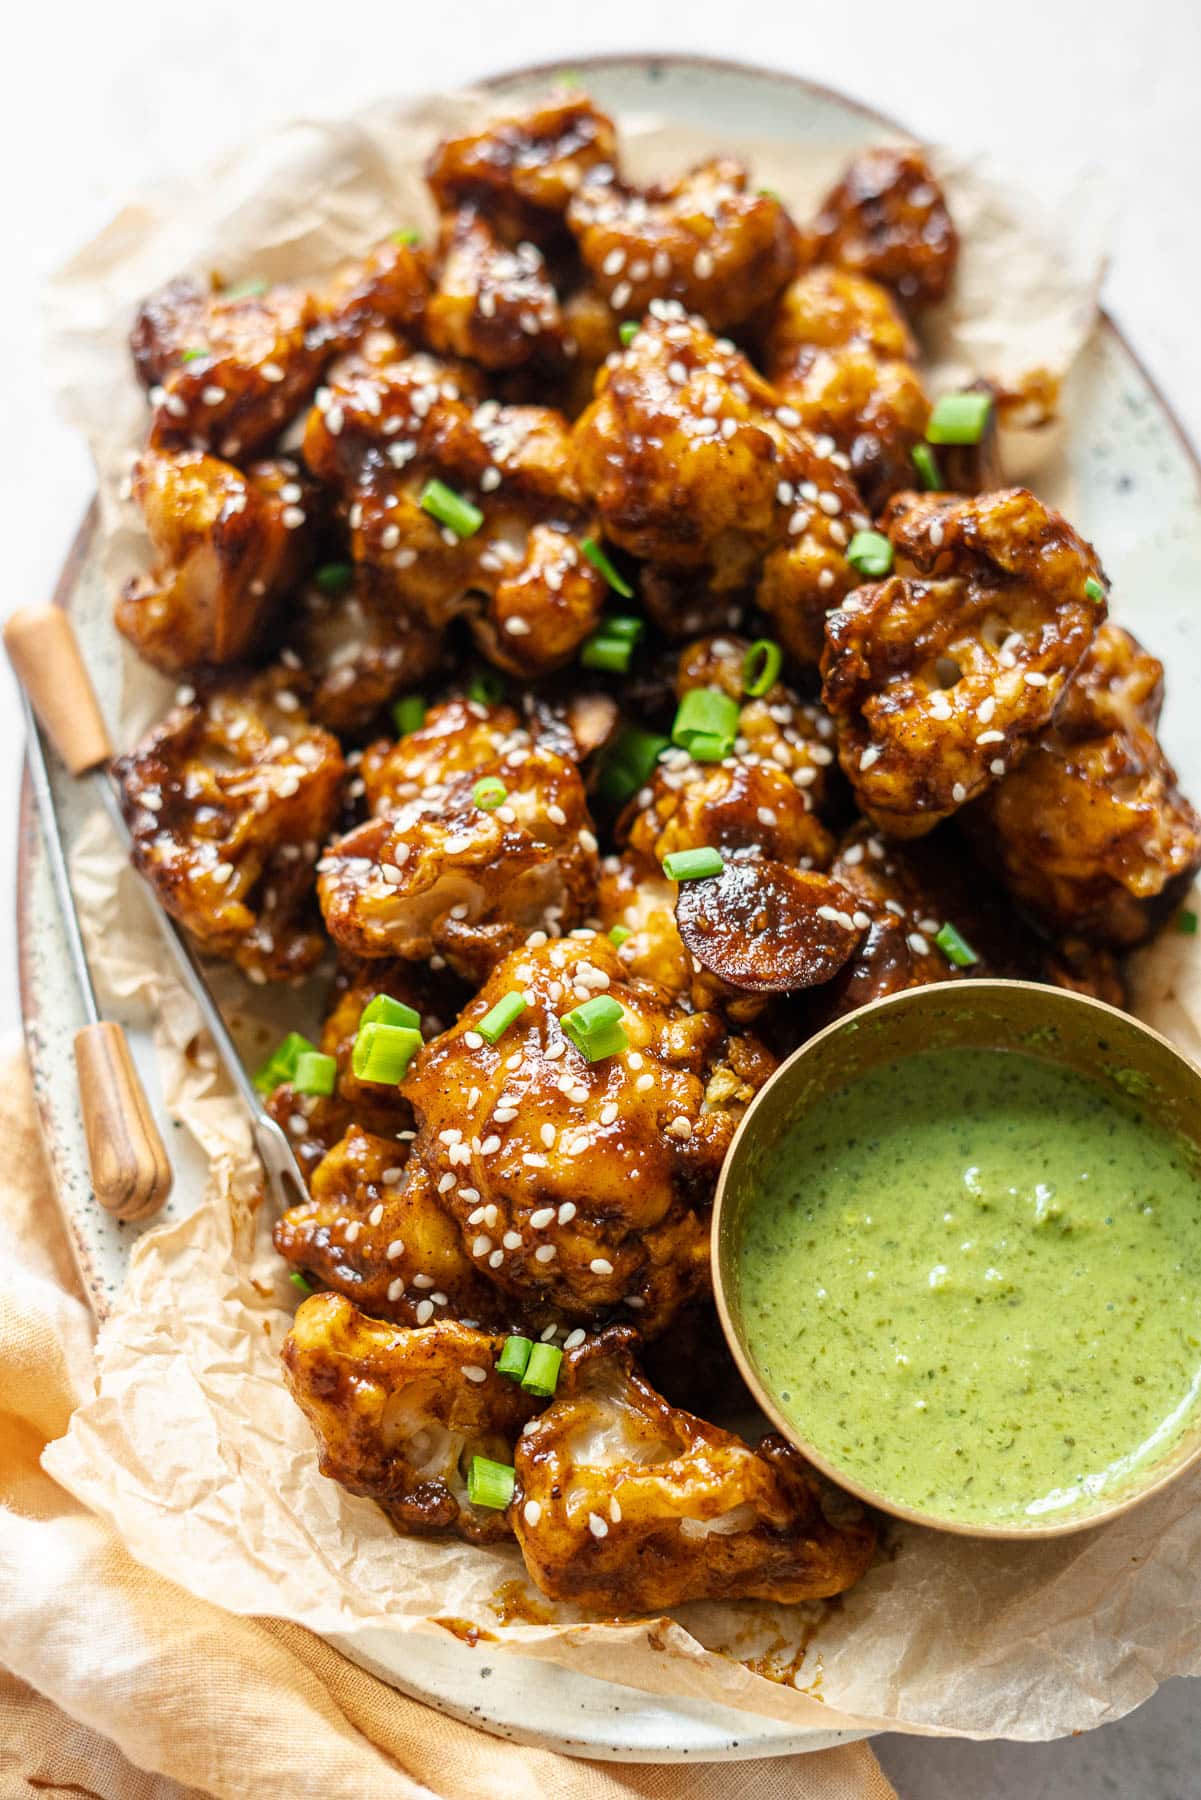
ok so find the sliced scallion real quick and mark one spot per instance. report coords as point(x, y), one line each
point(601, 563)
point(405, 236)
point(334, 578)
point(959, 419)
point(761, 667)
point(244, 290)
point(316, 1073)
point(1186, 923)
point(280, 1066)
point(693, 865)
point(542, 1371)
point(955, 947)
point(628, 331)
point(490, 1483)
point(595, 1027)
point(450, 509)
point(926, 464)
point(871, 553)
point(612, 654)
point(408, 714)
point(384, 1010)
point(497, 1019)
point(706, 724)
point(197, 353)
point(1094, 591)
point(300, 1284)
point(514, 1356)
point(628, 763)
point(489, 793)
point(618, 935)
point(383, 1053)
point(486, 687)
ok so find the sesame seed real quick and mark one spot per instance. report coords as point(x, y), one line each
point(728, 428)
point(702, 265)
point(545, 1253)
point(997, 765)
point(531, 1512)
point(918, 944)
point(425, 1312)
point(271, 371)
point(644, 1083)
point(496, 1259)
point(680, 1127)
point(597, 1526)
point(473, 1040)
point(567, 1212)
point(481, 1245)
point(445, 1183)
point(959, 793)
point(473, 1373)
point(542, 1218)
point(396, 1289)
point(615, 1511)
point(376, 1215)
point(614, 263)
point(395, 1248)
point(870, 756)
point(517, 626)
point(222, 873)
point(292, 517)
point(600, 1265)
point(990, 737)
point(608, 1113)
point(512, 1240)
point(212, 395)
point(1034, 678)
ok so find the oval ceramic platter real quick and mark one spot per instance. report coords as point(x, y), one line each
point(1136, 490)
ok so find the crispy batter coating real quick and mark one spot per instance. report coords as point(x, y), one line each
point(492, 305)
point(523, 170)
point(1091, 832)
point(887, 218)
point(227, 372)
point(707, 239)
point(228, 801)
point(627, 1504)
point(840, 352)
point(939, 684)
point(359, 649)
point(582, 1186)
point(389, 287)
point(696, 464)
point(399, 1414)
point(227, 546)
point(387, 424)
point(433, 873)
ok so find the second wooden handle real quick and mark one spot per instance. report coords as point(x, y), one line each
point(42, 648)
point(130, 1172)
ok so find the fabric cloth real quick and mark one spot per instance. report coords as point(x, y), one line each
point(117, 1684)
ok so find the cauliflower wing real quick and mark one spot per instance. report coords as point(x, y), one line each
point(522, 170)
point(707, 240)
point(227, 546)
point(939, 681)
point(582, 1186)
point(228, 801)
point(492, 305)
point(888, 219)
point(359, 649)
point(434, 873)
point(388, 289)
point(399, 1414)
point(627, 1504)
point(1091, 832)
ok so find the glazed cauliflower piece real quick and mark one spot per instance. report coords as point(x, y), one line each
point(227, 546)
point(707, 239)
point(1091, 832)
point(228, 801)
point(839, 351)
point(522, 170)
point(226, 370)
point(941, 677)
point(398, 1414)
point(582, 1187)
point(492, 305)
point(388, 288)
point(696, 464)
point(435, 874)
point(359, 649)
point(887, 219)
point(627, 1504)
point(385, 425)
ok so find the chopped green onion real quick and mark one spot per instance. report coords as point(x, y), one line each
point(383, 1052)
point(628, 763)
point(612, 654)
point(384, 1010)
point(497, 1019)
point(926, 464)
point(334, 578)
point(624, 625)
point(487, 687)
point(871, 553)
point(600, 561)
point(514, 1356)
point(567, 78)
point(542, 1372)
point(955, 948)
point(490, 1483)
point(1186, 924)
point(244, 290)
point(489, 793)
point(408, 714)
point(450, 509)
point(315, 1073)
point(706, 724)
point(595, 1027)
point(618, 935)
point(770, 194)
point(281, 1064)
point(959, 419)
point(1093, 590)
point(298, 1281)
point(761, 667)
point(197, 353)
point(628, 330)
point(693, 865)
point(405, 236)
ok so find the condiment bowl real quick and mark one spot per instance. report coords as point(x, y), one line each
point(1051, 1024)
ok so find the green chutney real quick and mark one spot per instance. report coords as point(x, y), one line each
point(972, 1280)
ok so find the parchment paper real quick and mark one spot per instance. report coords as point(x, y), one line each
point(192, 1446)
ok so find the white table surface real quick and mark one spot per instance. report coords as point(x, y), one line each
point(97, 100)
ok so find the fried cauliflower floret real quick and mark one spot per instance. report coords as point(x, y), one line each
point(707, 239)
point(492, 305)
point(228, 801)
point(1091, 832)
point(359, 649)
point(389, 287)
point(940, 678)
point(696, 464)
point(887, 219)
point(227, 545)
point(840, 352)
point(434, 873)
point(225, 370)
point(389, 424)
point(582, 1186)
point(373, 1228)
point(627, 1504)
point(399, 1414)
point(523, 170)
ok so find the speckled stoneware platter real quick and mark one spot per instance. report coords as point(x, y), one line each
point(1136, 492)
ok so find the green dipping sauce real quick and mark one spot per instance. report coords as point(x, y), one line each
point(972, 1280)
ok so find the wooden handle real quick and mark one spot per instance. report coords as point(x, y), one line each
point(42, 648)
point(130, 1171)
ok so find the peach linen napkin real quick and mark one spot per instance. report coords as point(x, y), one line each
point(115, 1683)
